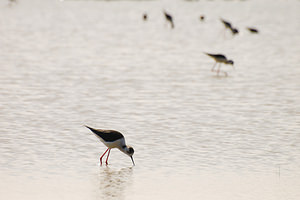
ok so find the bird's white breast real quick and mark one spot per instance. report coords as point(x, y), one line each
point(115, 144)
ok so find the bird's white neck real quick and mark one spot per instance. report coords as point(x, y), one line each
point(124, 148)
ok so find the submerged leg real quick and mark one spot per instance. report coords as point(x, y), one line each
point(103, 155)
point(107, 157)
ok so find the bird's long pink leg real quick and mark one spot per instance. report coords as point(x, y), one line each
point(103, 155)
point(107, 157)
point(218, 71)
point(212, 69)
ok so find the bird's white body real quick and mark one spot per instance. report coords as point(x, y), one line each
point(115, 144)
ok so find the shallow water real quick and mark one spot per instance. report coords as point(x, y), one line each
point(196, 135)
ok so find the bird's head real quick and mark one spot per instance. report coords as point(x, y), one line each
point(234, 31)
point(129, 151)
point(229, 62)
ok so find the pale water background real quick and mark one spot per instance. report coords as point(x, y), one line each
point(196, 135)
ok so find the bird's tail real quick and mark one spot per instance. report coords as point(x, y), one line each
point(208, 54)
point(90, 128)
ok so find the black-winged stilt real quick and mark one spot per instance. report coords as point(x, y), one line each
point(252, 30)
point(169, 18)
point(220, 58)
point(230, 27)
point(112, 139)
point(145, 17)
point(202, 18)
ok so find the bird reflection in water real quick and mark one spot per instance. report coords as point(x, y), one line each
point(12, 2)
point(114, 182)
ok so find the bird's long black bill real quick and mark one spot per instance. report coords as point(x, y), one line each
point(132, 160)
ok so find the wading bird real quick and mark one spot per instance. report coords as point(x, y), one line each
point(202, 18)
point(145, 17)
point(230, 27)
point(252, 30)
point(112, 139)
point(219, 58)
point(169, 18)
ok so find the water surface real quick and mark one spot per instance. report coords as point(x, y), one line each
point(196, 135)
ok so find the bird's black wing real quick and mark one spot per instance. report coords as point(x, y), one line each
point(216, 56)
point(107, 135)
